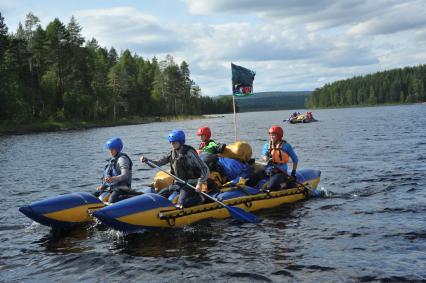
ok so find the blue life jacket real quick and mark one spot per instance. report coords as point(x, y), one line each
point(233, 168)
point(111, 169)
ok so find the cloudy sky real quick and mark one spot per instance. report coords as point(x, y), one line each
point(291, 44)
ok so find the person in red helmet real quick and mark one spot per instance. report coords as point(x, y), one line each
point(208, 145)
point(277, 153)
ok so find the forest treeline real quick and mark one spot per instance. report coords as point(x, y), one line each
point(405, 85)
point(54, 74)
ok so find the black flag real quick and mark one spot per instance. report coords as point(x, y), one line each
point(242, 81)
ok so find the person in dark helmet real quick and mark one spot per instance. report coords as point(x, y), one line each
point(187, 165)
point(277, 153)
point(117, 175)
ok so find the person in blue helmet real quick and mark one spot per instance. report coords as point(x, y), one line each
point(187, 165)
point(117, 176)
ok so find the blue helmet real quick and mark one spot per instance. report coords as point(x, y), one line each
point(177, 135)
point(114, 143)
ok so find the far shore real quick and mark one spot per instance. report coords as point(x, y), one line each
point(362, 105)
point(54, 126)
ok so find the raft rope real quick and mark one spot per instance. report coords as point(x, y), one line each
point(170, 216)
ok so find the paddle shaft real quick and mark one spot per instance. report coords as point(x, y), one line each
point(236, 212)
point(186, 183)
point(285, 173)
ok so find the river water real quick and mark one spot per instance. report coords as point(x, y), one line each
point(372, 227)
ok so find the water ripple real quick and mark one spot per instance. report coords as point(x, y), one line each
point(370, 228)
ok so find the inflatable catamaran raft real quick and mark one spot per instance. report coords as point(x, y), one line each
point(151, 210)
point(154, 211)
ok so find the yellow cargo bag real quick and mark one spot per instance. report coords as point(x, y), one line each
point(162, 180)
point(238, 150)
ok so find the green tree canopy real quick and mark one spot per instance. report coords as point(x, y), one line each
point(55, 74)
point(393, 86)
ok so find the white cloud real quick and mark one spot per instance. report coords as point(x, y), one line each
point(127, 27)
point(324, 14)
point(333, 39)
point(348, 56)
point(245, 41)
point(398, 18)
point(291, 44)
point(7, 6)
point(420, 36)
point(283, 60)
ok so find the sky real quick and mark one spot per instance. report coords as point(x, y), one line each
point(292, 45)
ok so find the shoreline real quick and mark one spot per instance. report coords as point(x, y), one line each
point(364, 105)
point(55, 126)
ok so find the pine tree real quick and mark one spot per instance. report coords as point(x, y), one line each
point(48, 74)
point(58, 57)
point(5, 78)
point(3, 39)
point(372, 98)
point(74, 31)
point(400, 85)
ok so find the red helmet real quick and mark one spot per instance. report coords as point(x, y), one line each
point(277, 130)
point(204, 131)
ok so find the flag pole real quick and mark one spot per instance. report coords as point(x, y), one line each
point(235, 116)
point(242, 85)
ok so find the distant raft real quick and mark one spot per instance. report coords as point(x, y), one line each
point(150, 210)
point(296, 118)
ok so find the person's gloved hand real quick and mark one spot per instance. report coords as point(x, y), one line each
point(109, 179)
point(143, 159)
point(200, 186)
point(220, 148)
point(293, 175)
point(269, 170)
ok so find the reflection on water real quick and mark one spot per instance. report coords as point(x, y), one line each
point(66, 241)
point(371, 227)
point(168, 243)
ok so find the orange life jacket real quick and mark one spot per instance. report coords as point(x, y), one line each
point(278, 155)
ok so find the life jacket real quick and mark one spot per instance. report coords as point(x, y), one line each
point(204, 144)
point(179, 164)
point(278, 155)
point(112, 170)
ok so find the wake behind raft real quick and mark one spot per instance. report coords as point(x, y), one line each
point(150, 210)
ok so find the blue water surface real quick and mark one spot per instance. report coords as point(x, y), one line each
point(371, 228)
